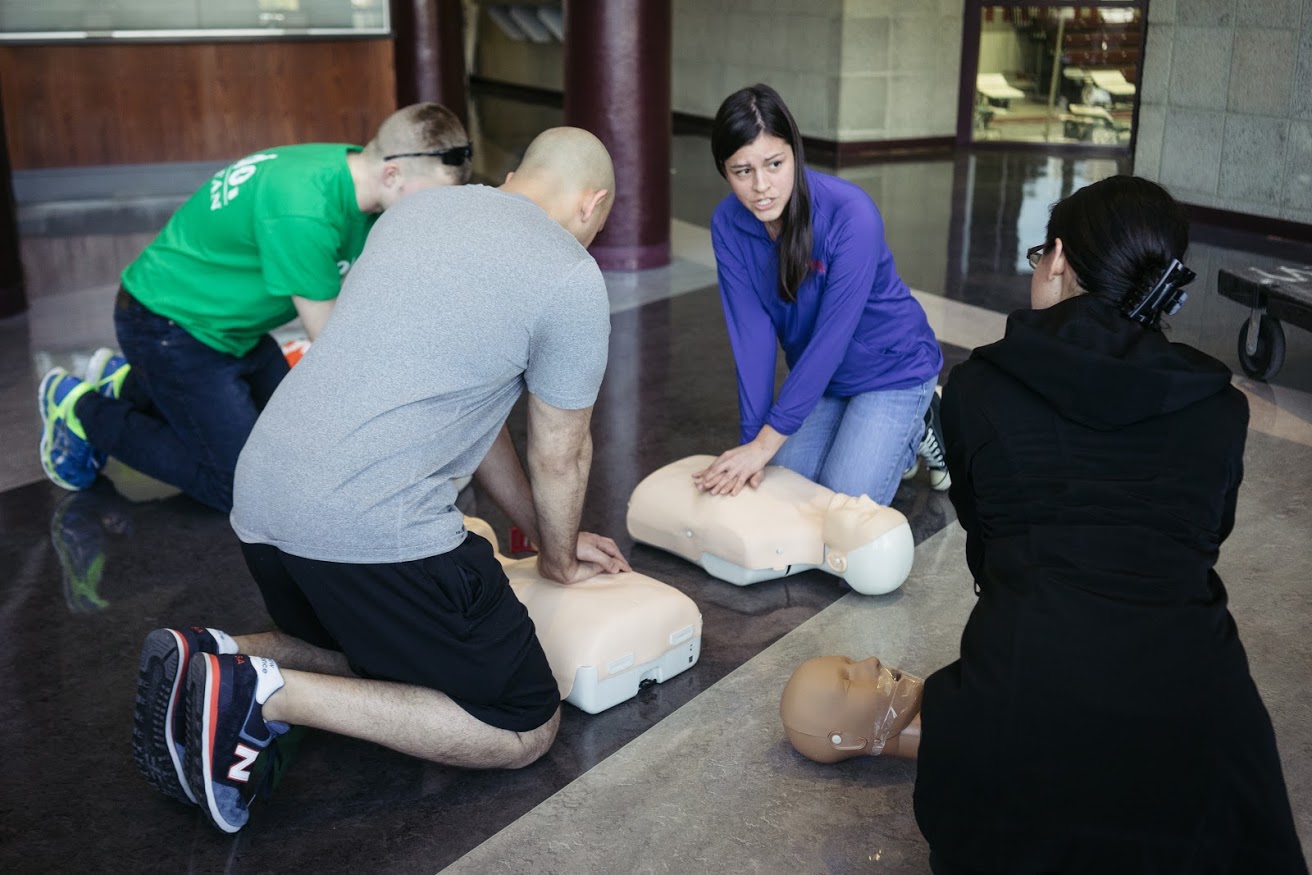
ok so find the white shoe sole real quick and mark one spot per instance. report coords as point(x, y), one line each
point(96, 366)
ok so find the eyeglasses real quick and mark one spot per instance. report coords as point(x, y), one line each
point(1034, 255)
point(455, 156)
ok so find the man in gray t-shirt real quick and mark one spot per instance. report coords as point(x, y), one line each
point(462, 298)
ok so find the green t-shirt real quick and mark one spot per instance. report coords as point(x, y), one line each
point(278, 223)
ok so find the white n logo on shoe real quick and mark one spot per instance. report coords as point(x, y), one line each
point(241, 770)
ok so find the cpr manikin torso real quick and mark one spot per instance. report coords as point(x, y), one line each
point(786, 525)
point(607, 636)
point(835, 708)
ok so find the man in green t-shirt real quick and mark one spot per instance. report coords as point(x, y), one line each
point(266, 240)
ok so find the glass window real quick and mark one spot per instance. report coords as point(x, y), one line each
point(25, 20)
point(1057, 74)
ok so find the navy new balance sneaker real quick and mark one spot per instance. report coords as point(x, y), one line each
point(159, 721)
point(227, 733)
point(66, 456)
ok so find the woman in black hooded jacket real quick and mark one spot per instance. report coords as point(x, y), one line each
point(1101, 717)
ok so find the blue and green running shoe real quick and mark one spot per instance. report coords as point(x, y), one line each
point(68, 459)
point(106, 372)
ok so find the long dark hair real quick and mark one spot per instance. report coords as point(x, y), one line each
point(1119, 236)
point(744, 116)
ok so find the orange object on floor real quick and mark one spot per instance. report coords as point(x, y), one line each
point(294, 349)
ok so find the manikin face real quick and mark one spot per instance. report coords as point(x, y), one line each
point(835, 708)
point(868, 545)
point(762, 175)
point(852, 521)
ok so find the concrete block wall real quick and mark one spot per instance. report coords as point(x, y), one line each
point(794, 46)
point(1225, 118)
point(901, 63)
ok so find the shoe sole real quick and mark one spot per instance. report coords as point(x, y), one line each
point(164, 662)
point(52, 377)
point(202, 720)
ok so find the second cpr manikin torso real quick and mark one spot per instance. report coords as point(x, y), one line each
point(786, 525)
point(606, 636)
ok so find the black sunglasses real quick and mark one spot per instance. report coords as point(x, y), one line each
point(1034, 255)
point(455, 156)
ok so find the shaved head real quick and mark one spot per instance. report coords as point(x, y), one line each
point(570, 159)
point(568, 172)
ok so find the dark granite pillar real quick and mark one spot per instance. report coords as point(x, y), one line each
point(12, 299)
point(430, 54)
point(617, 85)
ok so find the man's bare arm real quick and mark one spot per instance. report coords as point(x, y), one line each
point(502, 477)
point(559, 458)
point(314, 314)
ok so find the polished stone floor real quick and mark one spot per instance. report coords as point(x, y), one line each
point(692, 775)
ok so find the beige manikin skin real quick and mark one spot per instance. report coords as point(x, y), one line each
point(592, 622)
point(786, 525)
point(834, 708)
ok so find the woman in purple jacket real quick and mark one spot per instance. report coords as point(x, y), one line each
point(803, 264)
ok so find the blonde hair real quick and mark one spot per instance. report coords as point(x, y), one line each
point(422, 127)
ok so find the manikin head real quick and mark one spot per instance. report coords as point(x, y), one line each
point(835, 708)
point(867, 544)
point(568, 173)
point(419, 146)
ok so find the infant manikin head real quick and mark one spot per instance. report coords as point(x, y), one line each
point(835, 708)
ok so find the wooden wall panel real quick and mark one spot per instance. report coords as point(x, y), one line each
point(80, 105)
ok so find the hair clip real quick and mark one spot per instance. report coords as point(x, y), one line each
point(1166, 297)
point(454, 156)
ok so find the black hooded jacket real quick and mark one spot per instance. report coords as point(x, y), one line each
point(1101, 717)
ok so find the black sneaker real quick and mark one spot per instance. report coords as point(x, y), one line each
point(227, 733)
point(159, 722)
point(931, 447)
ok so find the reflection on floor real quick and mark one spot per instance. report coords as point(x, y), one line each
point(692, 775)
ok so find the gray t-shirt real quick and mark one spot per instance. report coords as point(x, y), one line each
point(462, 297)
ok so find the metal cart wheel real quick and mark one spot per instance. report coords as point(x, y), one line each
point(1262, 359)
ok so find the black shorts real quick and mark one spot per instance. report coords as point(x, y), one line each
point(448, 622)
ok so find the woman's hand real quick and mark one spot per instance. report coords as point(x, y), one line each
point(741, 466)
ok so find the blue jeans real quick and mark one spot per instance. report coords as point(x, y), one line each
point(186, 409)
point(860, 445)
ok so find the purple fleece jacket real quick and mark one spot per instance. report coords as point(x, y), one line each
point(854, 327)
